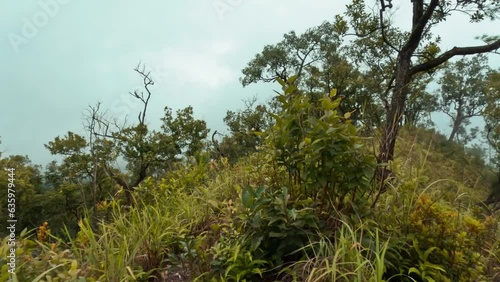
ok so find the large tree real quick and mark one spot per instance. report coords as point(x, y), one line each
point(492, 119)
point(414, 51)
point(463, 91)
point(319, 64)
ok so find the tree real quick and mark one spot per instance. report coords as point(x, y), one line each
point(319, 65)
point(420, 102)
point(492, 119)
point(80, 176)
point(244, 127)
point(188, 133)
point(27, 184)
point(146, 152)
point(415, 51)
point(292, 56)
point(463, 87)
point(492, 114)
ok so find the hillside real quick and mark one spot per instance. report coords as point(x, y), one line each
point(213, 221)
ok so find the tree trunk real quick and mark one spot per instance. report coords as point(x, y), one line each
point(456, 126)
point(396, 108)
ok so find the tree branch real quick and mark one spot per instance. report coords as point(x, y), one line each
point(455, 51)
point(147, 81)
point(420, 20)
point(382, 26)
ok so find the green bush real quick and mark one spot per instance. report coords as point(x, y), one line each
point(277, 226)
point(40, 261)
point(453, 240)
point(321, 151)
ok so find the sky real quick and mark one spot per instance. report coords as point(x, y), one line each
point(57, 57)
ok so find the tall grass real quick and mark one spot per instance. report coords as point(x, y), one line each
point(356, 254)
point(134, 244)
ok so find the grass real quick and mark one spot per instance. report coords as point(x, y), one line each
point(354, 255)
point(177, 223)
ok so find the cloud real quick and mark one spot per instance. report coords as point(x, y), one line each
point(202, 66)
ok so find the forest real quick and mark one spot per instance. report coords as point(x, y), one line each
point(341, 176)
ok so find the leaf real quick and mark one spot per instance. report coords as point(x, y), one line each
point(213, 204)
point(74, 265)
point(246, 198)
point(260, 190)
point(428, 252)
point(302, 145)
point(348, 114)
point(39, 277)
point(331, 129)
point(281, 99)
point(290, 89)
point(327, 104)
point(291, 79)
point(277, 234)
point(293, 213)
point(414, 270)
point(256, 240)
point(256, 220)
point(333, 93)
point(280, 81)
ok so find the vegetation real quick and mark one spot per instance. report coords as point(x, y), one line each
point(297, 190)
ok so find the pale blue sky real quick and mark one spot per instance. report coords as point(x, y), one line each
point(85, 51)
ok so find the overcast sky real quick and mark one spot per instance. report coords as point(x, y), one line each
point(59, 56)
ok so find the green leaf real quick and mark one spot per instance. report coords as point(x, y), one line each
point(256, 241)
point(277, 234)
point(246, 198)
point(291, 79)
point(293, 213)
point(41, 276)
point(280, 81)
point(256, 220)
point(333, 93)
point(414, 270)
point(290, 89)
point(327, 104)
point(348, 114)
point(331, 129)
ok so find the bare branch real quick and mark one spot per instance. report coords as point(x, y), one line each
point(382, 25)
point(147, 81)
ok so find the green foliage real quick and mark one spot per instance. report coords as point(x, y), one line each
point(426, 270)
point(233, 260)
point(420, 102)
point(463, 96)
point(492, 114)
point(450, 239)
point(27, 185)
point(188, 134)
point(319, 65)
point(320, 150)
point(275, 225)
point(354, 255)
point(37, 261)
point(303, 212)
point(245, 127)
